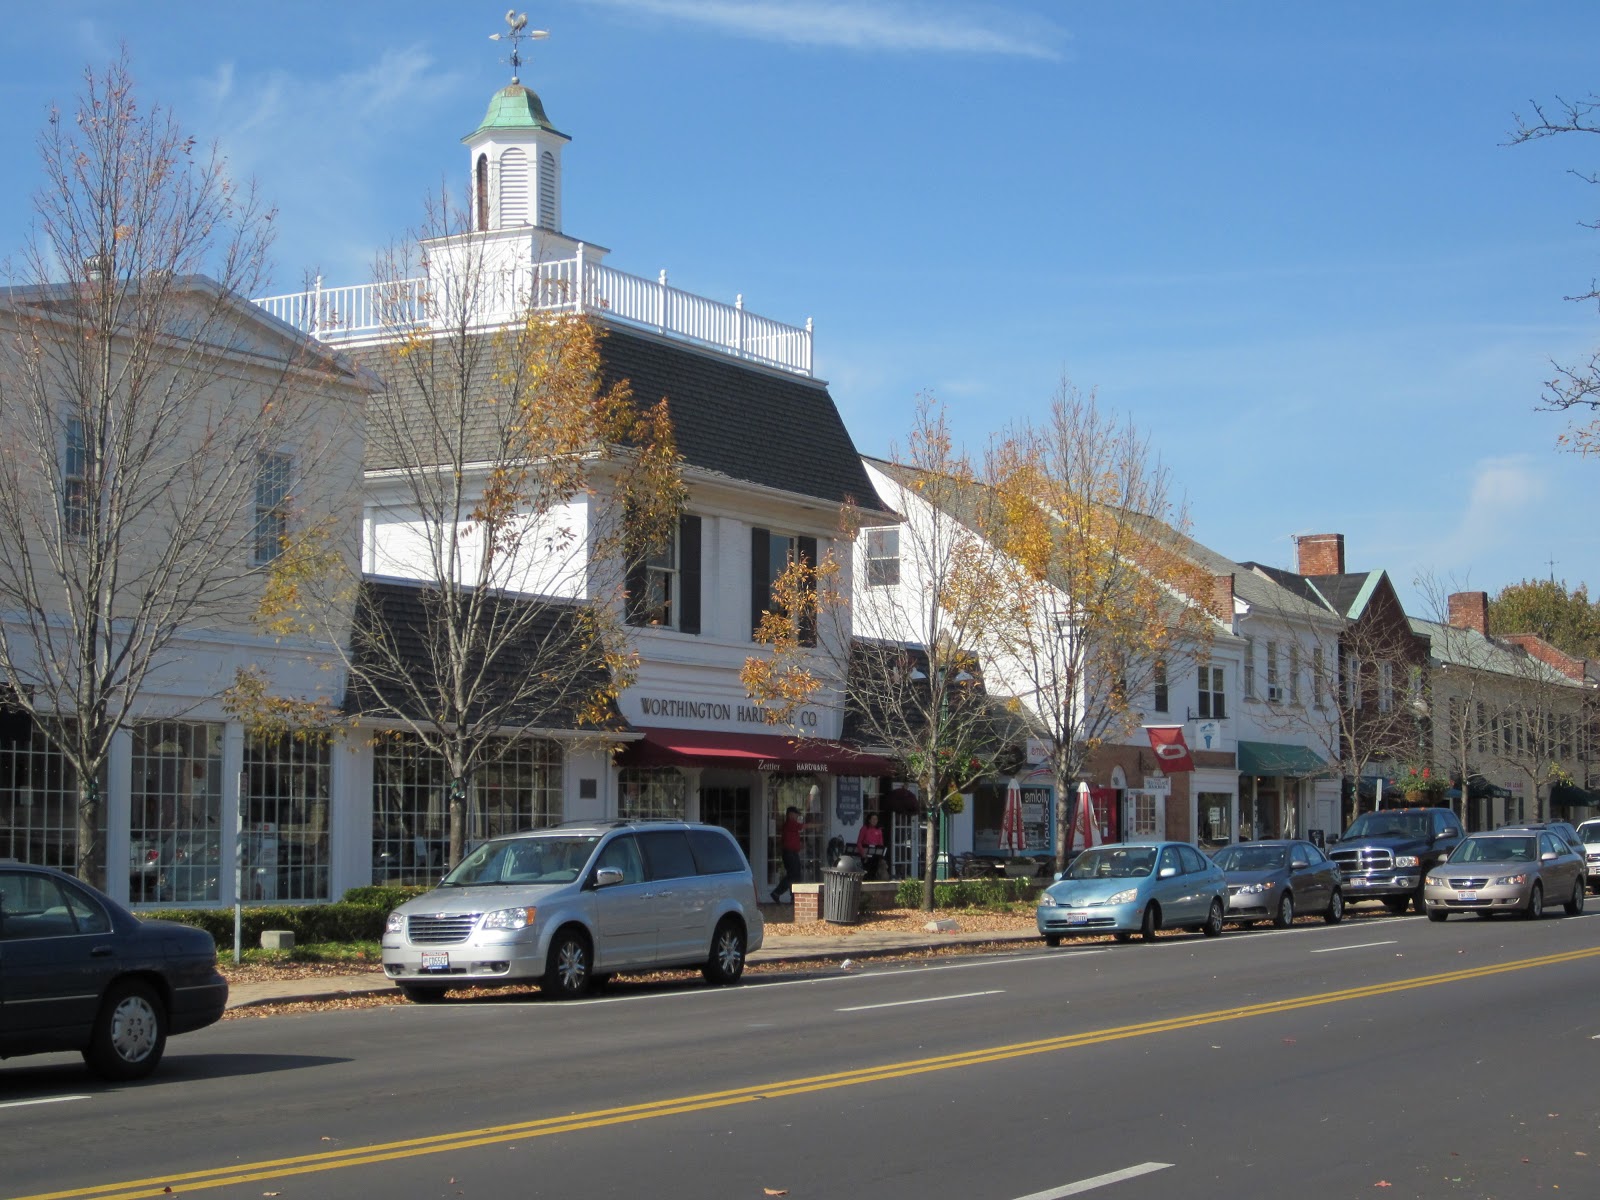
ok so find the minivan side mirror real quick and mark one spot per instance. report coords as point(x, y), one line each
point(607, 877)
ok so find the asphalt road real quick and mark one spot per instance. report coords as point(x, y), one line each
point(1383, 1057)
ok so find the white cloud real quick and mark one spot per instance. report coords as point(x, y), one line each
point(893, 25)
point(1503, 504)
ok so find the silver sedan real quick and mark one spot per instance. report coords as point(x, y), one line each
point(1513, 871)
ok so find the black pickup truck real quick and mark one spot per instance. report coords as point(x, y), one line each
point(1384, 855)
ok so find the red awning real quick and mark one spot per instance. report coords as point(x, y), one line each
point(753, 751)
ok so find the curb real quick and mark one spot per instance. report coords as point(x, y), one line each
point(807, 956)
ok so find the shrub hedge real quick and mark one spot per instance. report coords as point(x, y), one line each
point(359, 917)
point(966, 893)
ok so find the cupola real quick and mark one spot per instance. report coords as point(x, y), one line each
point(516, 164)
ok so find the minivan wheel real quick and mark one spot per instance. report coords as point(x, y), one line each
point(1335, 912)
point(1213, 925)
point(725, 964)
point(1284, 917)
point(129, 1034)
point(566, 972)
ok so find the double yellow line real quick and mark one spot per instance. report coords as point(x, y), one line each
point(355, 1156)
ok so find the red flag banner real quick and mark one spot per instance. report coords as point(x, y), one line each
point(1172, 752)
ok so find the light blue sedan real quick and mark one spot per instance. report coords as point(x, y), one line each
point(1134, 887)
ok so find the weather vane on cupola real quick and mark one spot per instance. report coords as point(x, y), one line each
point(517, 29)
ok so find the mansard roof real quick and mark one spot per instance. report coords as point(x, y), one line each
point(741, 421)
point(731, 418)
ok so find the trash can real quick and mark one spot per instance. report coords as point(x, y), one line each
point(841, 896)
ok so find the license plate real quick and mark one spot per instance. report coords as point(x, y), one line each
point(1358, 881)
point(1466, 895)
point(435, 960)
point(1077, 918)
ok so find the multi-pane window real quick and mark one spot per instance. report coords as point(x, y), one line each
point(1294, 672)
point(1213, 698)
point(38, 797)
point(804, 793)
point(1352, 682)
point(771, 554)
point(1159, 699)
point(75, 481)
point(518, 787)
point(883, 557)
point(1274, 686)
point(1385, 686)
point(644, 794)
point(1319, 667)
point(1249, 671)
point(287, 782)
point(175, 834)
point(659, 605)
point(272, 504)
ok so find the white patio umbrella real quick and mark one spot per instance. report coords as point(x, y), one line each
point(1086, 825)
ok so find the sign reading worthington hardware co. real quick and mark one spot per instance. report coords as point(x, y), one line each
point(718, 712)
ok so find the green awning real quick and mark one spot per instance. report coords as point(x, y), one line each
point(1279, 758)
point(1566, 795)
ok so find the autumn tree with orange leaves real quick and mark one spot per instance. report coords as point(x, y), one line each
point(1095, 602)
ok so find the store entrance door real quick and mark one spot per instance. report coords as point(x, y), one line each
point(729, 807)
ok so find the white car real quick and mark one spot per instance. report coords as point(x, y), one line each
point(567, 907)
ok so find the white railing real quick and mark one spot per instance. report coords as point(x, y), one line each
point(373, 311)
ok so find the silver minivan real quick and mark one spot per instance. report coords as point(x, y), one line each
point(569, 906)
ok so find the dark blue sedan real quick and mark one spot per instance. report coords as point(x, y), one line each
point(80, 972)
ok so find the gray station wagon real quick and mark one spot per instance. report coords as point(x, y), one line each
point(567, 907)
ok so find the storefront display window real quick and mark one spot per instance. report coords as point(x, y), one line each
point(645, 794)
point(175, 833)
point(520, 789)
point(38, 797)
point(287, 784)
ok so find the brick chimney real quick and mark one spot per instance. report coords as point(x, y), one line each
point(1470, 610)
point(1222, 597)
point(1320, 554)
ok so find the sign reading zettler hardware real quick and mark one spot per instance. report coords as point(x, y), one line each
point(1171, 751)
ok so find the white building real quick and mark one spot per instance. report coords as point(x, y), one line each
point(769, 468)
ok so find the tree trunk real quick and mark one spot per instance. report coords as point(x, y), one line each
point(91, 838)
point(1066, 817)
point(458, 820)
point(930, 838)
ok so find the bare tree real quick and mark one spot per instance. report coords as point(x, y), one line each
point(145, 406)
point(1573, 387)
point(1099, 603)
point(515, 490)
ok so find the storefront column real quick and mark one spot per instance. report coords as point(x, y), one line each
point(232, 787)
point(118, 813)
point(350, 820)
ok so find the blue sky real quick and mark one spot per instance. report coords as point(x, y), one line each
point(1289, 240)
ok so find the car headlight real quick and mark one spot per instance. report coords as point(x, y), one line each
point(1046, 900)
point(1255, 889)
point(1407, 860)
point(396, 923)
point(1511, 880)
point(510, 918)
point(1126, 896)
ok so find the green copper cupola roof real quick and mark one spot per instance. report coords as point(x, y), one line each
point(515, 107)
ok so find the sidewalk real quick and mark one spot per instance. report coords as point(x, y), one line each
point(781, 949)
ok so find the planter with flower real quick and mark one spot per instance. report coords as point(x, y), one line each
point(1420, 785)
